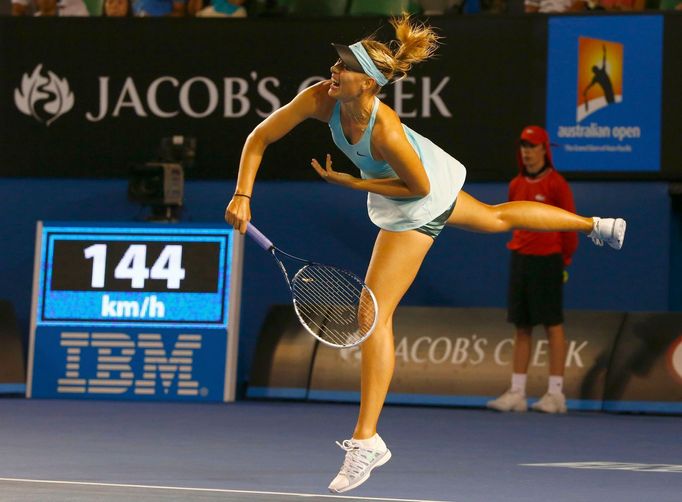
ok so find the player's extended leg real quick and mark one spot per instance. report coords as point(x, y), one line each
point(396, 259)
point(471, 214)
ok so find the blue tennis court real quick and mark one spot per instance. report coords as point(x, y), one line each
point(266, 451)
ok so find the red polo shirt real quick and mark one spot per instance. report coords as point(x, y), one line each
point(549, 188)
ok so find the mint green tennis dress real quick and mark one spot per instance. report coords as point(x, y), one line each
point(446, 176)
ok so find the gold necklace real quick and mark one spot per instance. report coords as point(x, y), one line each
point(361, 120)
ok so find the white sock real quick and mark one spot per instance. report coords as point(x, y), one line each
point(518, 383)
point(373, 443)
point(556, 384)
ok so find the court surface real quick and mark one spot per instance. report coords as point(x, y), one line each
point(61, 450)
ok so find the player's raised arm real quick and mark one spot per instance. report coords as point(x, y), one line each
point(312, 102)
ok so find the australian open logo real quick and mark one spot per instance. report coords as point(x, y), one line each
point(604, 92)
point(600, 75)
point(45, 98)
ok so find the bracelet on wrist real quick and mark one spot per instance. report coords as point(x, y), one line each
point(237, 194)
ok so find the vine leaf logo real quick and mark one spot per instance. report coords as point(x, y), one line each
point(43, 98)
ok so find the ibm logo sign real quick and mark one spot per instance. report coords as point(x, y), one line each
point(114, 371)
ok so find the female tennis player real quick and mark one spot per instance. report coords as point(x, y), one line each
point(414, 191)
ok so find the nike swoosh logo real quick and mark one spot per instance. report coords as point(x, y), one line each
point(361, 154)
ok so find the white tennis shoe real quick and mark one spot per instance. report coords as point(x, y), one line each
point(509, 401)
point(551, 403)
point(359, 463)
point(609, 230)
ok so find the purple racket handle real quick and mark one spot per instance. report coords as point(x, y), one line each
point(257, 236)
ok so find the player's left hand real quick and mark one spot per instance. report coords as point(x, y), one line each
point(331, 176)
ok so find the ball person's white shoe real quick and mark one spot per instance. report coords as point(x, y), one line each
point(551, 403)
point(358, 464)
point(509, 401)
point(609, 230)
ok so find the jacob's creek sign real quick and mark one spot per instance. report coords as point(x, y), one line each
point(152, 84)
point(463, 357)
point(45, 96)
point(604, 92)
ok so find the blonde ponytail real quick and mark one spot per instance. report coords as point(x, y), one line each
point(416, 42)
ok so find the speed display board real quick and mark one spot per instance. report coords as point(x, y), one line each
point(135, 311)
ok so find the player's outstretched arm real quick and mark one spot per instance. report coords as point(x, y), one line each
point(312, 102)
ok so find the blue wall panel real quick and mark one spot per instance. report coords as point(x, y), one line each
point(329, 224)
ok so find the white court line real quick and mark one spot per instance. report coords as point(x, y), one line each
point(613, 466)
point(216, 490)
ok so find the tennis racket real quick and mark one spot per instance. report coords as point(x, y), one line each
point(333, 305)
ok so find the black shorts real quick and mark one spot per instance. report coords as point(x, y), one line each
point(535, 290)
point(435, 226)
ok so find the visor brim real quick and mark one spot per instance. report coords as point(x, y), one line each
point(349, 60)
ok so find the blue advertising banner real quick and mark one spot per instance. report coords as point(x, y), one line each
point(110, 363)
point(604, 92)
point(135, 312)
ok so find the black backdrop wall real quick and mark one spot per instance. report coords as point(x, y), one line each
point(85, 97)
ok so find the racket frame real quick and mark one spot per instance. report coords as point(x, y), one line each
point(267, 245)
point(365, 288)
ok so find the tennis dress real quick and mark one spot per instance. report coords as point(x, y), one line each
point(446, 177)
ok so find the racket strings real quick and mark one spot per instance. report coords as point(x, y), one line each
point(352, 290)
point(337, 322)
point(320, 284)
point(338, 313)
point(341, 286)
point(337, 288)
point(332, 302)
